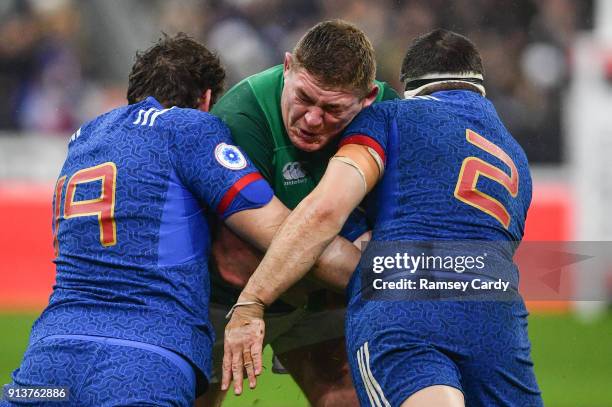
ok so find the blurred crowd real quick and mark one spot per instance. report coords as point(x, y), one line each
point(65, 61)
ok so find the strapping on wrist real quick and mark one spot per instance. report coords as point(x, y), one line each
point(244, 304)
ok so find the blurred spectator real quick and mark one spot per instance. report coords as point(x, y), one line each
point(62, 62)
point(20, 34)
point(238, 37)
point(48, 103)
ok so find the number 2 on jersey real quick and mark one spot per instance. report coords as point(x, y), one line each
point(103, 207)
point(473, 167)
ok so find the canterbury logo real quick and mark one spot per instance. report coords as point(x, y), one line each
point(148, 117)
point(293, 171)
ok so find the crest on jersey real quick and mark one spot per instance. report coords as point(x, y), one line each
point(230, 156)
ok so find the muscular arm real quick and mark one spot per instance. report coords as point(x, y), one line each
point(258, 226)
point(308, 232)
point(312, 226)
point(251, 127)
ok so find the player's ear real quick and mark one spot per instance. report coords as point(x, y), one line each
point(371, 96)
point(287, 63)
point(205, 100)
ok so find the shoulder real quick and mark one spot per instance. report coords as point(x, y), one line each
point(421, 106)
point(186, 123)
point(263, 81)
point(383, 108)
point(250, 96)
point(239, 100)
point(103, 123)
point(271, 77)
point(115, 115)
point(374, 118)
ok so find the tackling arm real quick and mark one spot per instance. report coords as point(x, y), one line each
point(312, 226)
point(258, 227)
point(304, 235)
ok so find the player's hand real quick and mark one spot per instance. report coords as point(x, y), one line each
point(242, 347)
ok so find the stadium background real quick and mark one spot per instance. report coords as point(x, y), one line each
point(548, 70)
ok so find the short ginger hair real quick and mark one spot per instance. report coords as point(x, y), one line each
point(339, 55)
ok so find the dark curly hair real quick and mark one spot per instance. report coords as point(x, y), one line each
point(175, 71)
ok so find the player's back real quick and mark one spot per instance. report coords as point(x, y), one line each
point(454, 177)
point(456, 185)
point(453, 172)
point(131, 239)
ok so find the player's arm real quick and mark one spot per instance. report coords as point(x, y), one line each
point(241, 113)
point(234, 259)
point(313, 225)
point(306, 233)
point(258, 226)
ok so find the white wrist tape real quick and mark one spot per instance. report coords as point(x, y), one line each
point(240, 304)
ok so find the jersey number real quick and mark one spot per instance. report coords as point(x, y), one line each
point(474, 167)
point(103, 207)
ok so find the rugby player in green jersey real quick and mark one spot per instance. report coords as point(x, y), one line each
point(288, 119)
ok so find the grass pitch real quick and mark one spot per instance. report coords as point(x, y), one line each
point(573, 362)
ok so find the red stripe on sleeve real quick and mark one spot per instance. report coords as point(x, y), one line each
point(238, 186)
point(367, 141)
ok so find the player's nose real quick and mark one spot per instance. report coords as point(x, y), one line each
point(314, 117)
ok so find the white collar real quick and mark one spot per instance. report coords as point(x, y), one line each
point(414, 92)
point(443, 76)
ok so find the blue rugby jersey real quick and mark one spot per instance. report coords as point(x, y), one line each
point(452, 172)
point(455, 183)
point(130, 231)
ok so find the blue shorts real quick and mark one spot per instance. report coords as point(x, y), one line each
point(481, 348)
point(102, 371)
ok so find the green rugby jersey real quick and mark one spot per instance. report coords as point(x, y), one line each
point(251, 109)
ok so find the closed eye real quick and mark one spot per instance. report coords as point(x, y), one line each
point(304, 98)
